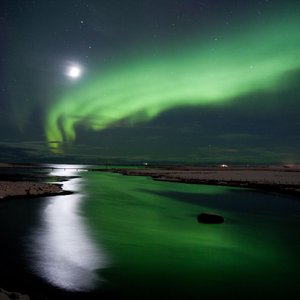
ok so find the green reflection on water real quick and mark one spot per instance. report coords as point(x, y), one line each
point(158, 249)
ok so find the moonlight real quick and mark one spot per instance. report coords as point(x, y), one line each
point(74, 72)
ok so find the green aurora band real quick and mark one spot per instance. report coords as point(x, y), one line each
point(213, 73)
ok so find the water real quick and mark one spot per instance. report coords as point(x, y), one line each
point(121, 237)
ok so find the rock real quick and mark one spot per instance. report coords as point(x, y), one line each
point(208, 218)
point(4, 295)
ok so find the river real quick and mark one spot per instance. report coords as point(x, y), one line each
point(126, 237)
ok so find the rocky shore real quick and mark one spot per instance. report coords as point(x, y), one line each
point(5, 295)
point(28, 189)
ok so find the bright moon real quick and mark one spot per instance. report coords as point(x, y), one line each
point(74, 72)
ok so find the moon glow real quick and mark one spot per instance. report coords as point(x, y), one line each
point(74, 72)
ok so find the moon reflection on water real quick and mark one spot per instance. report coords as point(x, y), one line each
point(64, 253)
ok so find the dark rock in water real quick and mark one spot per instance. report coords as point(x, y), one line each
point(210, 218)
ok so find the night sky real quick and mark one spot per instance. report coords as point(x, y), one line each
point(164, 81)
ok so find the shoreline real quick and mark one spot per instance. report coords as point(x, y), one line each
point(12, 295)
point(273, 178)
point(266, 179)
point(29, 189)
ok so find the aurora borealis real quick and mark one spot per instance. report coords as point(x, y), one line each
point(144, 87)
point(161, 81)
